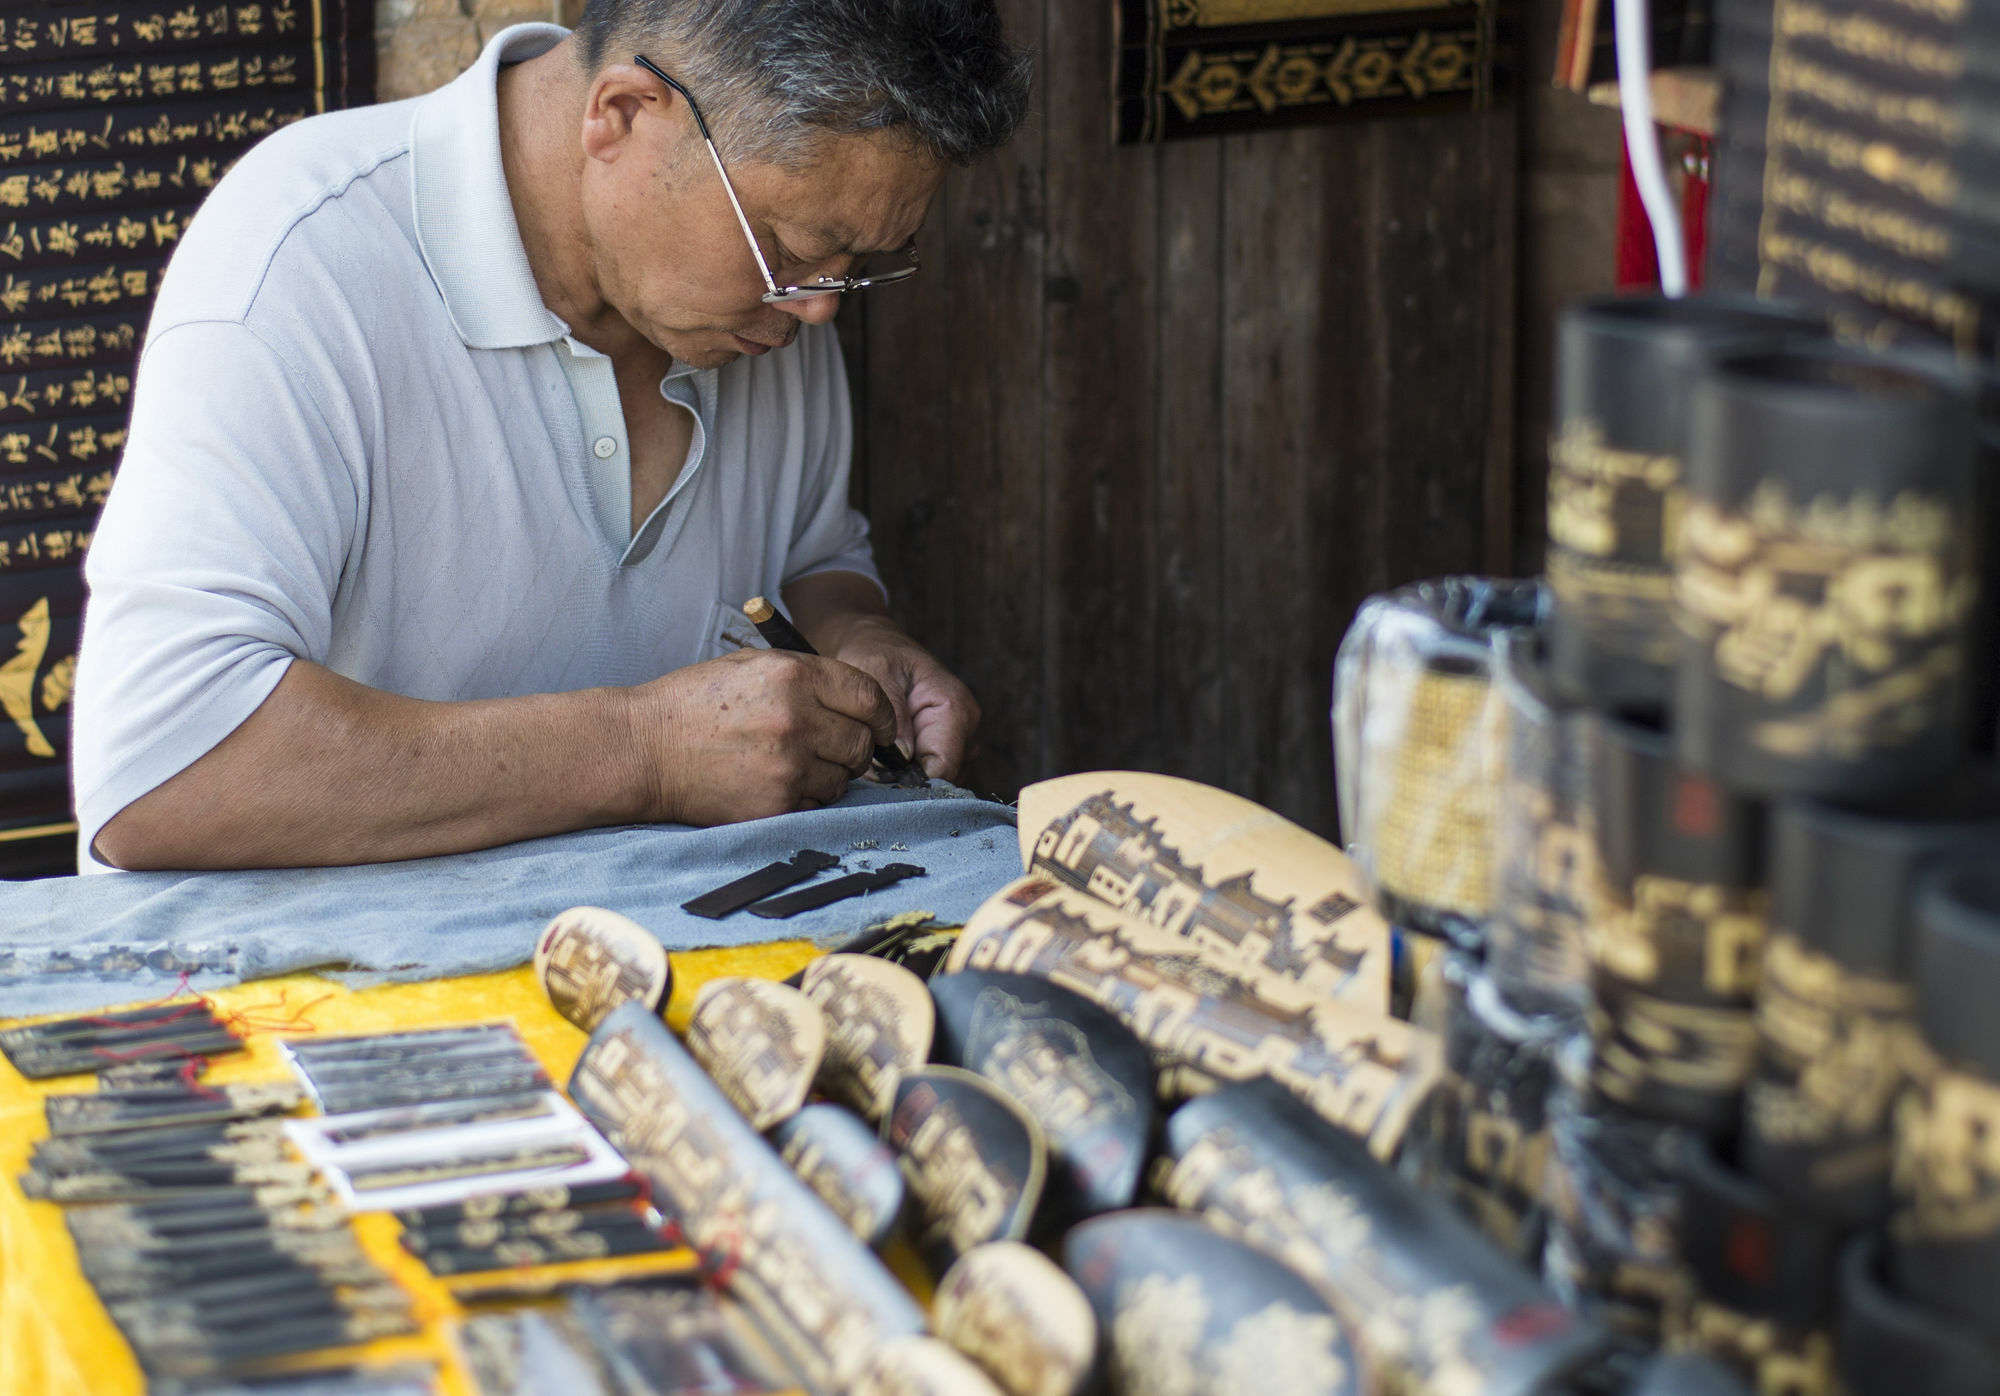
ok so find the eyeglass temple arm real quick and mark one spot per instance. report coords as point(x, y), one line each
point(701, 124)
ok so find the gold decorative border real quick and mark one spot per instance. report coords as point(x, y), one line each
point(1282, 62)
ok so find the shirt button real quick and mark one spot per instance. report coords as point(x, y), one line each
point(605, 447)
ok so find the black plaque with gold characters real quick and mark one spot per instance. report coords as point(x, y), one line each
point(43, 393)
point(94, 29)
point(1204, 67)
point(1834, 1001)
point(1944, 1236)
point(762, 1042)
point(115, 122)
point(294, 64)
point(823, 1296)
point(1826, 582)
point(1080, 1072)
point(1676, 930)
point(30, 347)
point(1624, 370)
point(1888, 1345)
point(973, 1158)
point(589, 961)
point(152, 136)
point(1434, 1306)
point(839, 1157)
point(1184, 1308)
point(1365, 1071)
point(1013, 1311)
point(1416, 729)
point(879, 1022)
point(41, 614)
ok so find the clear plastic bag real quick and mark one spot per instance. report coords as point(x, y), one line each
point(1415, 726)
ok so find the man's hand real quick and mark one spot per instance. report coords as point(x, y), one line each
point(936, 715)
point(937, 718)
point(756, 733)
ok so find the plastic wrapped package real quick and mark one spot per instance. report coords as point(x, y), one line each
point(1545, 847)
point(1486, 1143)
point(1614, 1217)
point(1414, 728)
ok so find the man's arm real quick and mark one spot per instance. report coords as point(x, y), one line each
point(328, 771)
point(937, 718)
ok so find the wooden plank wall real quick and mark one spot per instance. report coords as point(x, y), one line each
point(1152, 422)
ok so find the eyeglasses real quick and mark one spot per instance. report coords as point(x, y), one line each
point(774, 294)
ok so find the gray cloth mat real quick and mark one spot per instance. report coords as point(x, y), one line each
point(74, 944)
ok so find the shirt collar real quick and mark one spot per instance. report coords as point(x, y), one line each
point(464, 217)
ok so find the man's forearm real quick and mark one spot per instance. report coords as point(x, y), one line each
point(827, 607)
point(328, 771)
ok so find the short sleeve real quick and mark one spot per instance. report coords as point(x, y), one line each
point(215, 564)
point(831, 535)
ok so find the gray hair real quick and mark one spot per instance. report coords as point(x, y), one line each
point(770, 75)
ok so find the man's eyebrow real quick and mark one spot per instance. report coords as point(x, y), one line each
point(838, 240)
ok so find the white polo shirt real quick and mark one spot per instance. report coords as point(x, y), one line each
point(360, 438)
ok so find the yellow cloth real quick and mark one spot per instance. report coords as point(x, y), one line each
point(55, 1337)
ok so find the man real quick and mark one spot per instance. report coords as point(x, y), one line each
point(466, 424)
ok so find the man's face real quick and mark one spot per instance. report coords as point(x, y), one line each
point(669, 254)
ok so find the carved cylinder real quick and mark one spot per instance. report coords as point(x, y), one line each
point(1944, 1238)
point(1834, 1003)
point(1763, 1269)
point(1383, 1254)
point(1487, 1141)
point(1624, 368)
point(1614, 1214)
point(1825, 580)
point(1887, 1346)
point(1676, 931)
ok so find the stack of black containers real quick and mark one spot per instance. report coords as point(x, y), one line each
point(1735, 1013)
point(115, 120)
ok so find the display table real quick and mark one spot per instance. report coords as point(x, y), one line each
point(55, 1337)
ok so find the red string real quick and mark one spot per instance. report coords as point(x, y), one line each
point(253, 1019)
point(134, 1025)
point(720, 1262)
point(719, 1272)
point(189, 1074)
point(181, 986)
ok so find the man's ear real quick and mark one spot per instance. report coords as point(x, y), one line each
point(624, 101)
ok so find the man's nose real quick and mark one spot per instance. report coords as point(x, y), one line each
point(814, 310)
